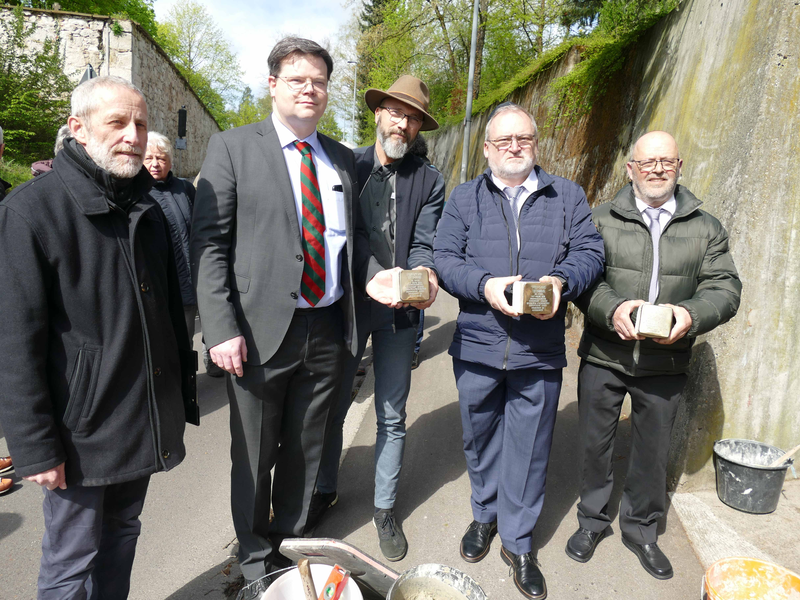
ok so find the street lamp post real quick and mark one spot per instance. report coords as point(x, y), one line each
point(468, 116)
point(353, 110)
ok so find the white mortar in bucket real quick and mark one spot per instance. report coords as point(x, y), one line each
point(435, 582)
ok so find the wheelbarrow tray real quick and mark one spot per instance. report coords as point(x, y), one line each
point(373, 577)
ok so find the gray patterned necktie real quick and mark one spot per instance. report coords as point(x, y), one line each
point(655, 234)
point(514, 196)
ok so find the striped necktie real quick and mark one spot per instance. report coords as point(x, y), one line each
point(312, 285)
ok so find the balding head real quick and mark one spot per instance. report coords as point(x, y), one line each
point(654, 167)
point(655, 141)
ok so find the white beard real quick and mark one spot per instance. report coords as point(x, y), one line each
point(392, 148)
point(508, 171)
point(123, 167)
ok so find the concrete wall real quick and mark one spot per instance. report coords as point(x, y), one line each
point(723, 78)
point(135, 56)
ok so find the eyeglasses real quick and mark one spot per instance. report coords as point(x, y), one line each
point(398, 115)
point(648, 165)
point(298, 84)
point(504, 143)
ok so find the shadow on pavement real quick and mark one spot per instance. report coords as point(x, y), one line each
point(432, 459)
point(9, 523)
point(224, 577)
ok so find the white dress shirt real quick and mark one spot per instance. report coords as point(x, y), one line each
point(670, 206)
point(516, 197)
point(332, 207)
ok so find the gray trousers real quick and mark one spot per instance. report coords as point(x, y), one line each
point(279, 414)
point(654, 402)
point(89, 542)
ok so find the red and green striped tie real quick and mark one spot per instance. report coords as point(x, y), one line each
point(312, 285)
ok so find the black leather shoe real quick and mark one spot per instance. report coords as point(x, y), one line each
point(319, 505)
point(527, 576)
point(581, 545)
point(652, 558)
point(476, 541)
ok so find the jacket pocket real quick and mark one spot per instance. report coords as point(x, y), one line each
point(82, 385)
point(240, 284)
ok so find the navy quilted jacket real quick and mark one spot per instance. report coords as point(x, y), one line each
point(476, 240)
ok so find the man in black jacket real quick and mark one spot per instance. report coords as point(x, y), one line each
point(91, 395)
point(401, 200)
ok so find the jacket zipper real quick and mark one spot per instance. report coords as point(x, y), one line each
point(510, 268)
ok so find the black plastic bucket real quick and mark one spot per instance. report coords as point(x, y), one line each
point(744, 481)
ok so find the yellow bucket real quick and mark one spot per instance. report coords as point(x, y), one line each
point(749, 579)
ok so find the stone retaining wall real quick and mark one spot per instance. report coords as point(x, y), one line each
point(135, 56)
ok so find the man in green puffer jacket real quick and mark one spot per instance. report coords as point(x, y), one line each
point(660, 248)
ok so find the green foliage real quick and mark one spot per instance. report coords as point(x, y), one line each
point(140, 11)
point(251, 109)
point(197, 46)
point(35, 92)
point(14, 173)
point(328, 125)
point(621, 23)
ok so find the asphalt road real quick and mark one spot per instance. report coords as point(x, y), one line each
point(187, 542)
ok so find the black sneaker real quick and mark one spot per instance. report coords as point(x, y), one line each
point(320, 503)
point(390, 536)
point(415, 361)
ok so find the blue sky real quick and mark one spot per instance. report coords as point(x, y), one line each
point(252, 28)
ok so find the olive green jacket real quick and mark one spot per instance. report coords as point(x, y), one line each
point(696, 271)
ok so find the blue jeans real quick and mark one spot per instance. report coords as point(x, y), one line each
point(508, 419)
point(392, 353)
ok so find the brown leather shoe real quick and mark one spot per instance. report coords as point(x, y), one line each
point(5, 464)
point(5, 485)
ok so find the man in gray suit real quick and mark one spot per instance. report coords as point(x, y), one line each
point(273, 253)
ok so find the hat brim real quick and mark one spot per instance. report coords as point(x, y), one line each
point(374, 97)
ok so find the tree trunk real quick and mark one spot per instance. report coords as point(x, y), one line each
point(483, 15)
point(451, 55)
point(540, 28)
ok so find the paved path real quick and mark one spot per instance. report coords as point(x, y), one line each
point(187, 543)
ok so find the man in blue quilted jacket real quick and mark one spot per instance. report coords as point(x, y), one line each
point(514, 222)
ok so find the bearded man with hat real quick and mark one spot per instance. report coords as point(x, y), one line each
point(401, 199)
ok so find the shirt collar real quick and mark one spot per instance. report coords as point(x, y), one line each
point(531, 184)
point(287, 138)
point(670, 206)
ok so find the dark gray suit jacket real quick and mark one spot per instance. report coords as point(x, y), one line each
point(246, 251)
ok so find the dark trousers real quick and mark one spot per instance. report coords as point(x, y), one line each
point(654, 403)
point(89, 542)
point(279, 412)
point(508, 419)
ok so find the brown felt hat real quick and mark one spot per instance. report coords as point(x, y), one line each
point(406, 89)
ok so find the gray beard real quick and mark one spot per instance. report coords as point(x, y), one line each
point(116, 164)
point(501, 171)
point(392, 149)
point(656, 199)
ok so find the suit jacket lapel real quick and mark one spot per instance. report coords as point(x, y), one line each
point(279, 184)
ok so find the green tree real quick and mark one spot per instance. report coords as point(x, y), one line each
point(34, 89)
point(251, 109)
point(197, 46)
point(140, 11)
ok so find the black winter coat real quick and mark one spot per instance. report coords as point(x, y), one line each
point(92, 331)
point(176, 198)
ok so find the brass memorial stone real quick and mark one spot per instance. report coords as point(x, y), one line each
point(654, 320)
point(411, 286)
point(532, 297)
